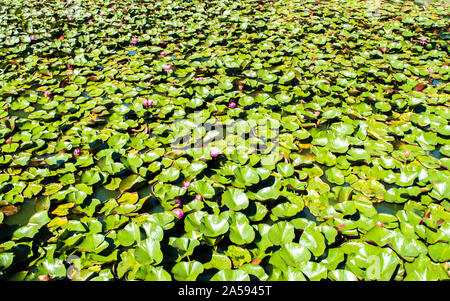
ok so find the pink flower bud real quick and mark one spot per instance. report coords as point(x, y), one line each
point(163, 53)
point(61, 38)
point(198, 197)
point(101, 14)
point(167, 68)
point(380, 224)
point(341, 226)
point(33, 37)
point(424, 41)
point(134, 41)
point(214, 152)
point(47, 93)
point(232, 105)
point(407, 153)
point(178, 212)
point(76, 152)
point(69, 73)
point(311, 68)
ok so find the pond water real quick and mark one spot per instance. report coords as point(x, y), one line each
point(102, 194)
point(389, 208)
point(27, 209)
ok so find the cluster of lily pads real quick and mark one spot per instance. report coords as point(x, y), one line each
point(355, 184)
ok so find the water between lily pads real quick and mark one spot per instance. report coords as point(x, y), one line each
point(27, 209)
point(103, 195)
point(389, 208)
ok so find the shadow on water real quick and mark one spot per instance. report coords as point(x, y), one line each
point(389, 208)
point(103, 194)
point(27, 209)
point(151, 205)
point(435, 154)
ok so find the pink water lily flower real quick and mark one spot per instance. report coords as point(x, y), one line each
point(163, 53)
point(317, 113)
point(61, 38)
point(162, 42)
point(76, 152)
point(47, 93)
point(311, 68)
point(90, 21)
point(69, 73)
point(167, 68)
point(198, 197)
point(214, 152)
point(186, 184)
point(178, 212)
point(424, 41)
point(148, 102)
point(380, 224)
point(32, 37)
point(341, 226)
point(232, 105)
point(101, 14)
point(431, 71)
point(200, 78)
point(134, 41)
